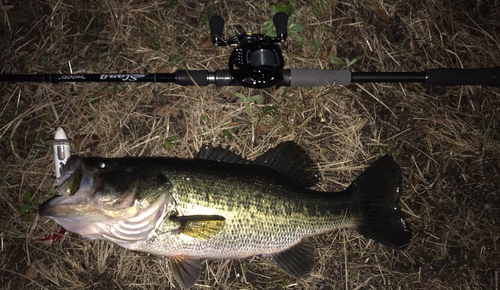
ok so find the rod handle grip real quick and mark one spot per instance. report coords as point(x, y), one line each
point(319, 77)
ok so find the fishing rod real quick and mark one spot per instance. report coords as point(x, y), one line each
point(257, 62)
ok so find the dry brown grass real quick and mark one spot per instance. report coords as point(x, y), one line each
point(446, 139)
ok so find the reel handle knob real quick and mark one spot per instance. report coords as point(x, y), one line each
point(280, 20)
point(216, 24)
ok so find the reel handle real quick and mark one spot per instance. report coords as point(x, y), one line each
point(280, 21)
point(216, 24)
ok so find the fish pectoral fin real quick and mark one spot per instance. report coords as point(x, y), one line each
point(298, 261)
point(200, 226)
point(186, 270)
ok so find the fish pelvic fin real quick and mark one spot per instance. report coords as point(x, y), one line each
point(378, 191)
point(186, 270)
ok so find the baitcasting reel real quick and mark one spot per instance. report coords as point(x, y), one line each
point(257, 61)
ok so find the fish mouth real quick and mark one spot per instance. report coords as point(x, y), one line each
point(91, 221)
point(61, 206)
point(76, 209)
point(72, 165)
point(74, 190)
point(94, 222)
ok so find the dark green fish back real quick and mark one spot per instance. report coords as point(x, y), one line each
point(287, 158)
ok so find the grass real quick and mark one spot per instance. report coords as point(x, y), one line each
point(447, 140)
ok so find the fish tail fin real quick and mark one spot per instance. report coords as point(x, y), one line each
point(377, 190)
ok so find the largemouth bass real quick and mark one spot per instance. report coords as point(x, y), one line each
point(222, 206)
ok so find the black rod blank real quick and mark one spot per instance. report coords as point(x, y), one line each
point(435, 77)
point(388, 77)
point(118, 77)
point(292, 77)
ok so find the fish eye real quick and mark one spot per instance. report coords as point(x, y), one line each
point(103, 165)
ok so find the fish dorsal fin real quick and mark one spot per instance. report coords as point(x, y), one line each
point(291, 160)
point(200, 227)
point(186, 270)
point(219, 154)
point(298, 261)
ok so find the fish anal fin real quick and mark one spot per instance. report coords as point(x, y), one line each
point(186, 270)
point(200, 227)
point(297, 261)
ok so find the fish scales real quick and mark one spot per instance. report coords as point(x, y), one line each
point(264, 212)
